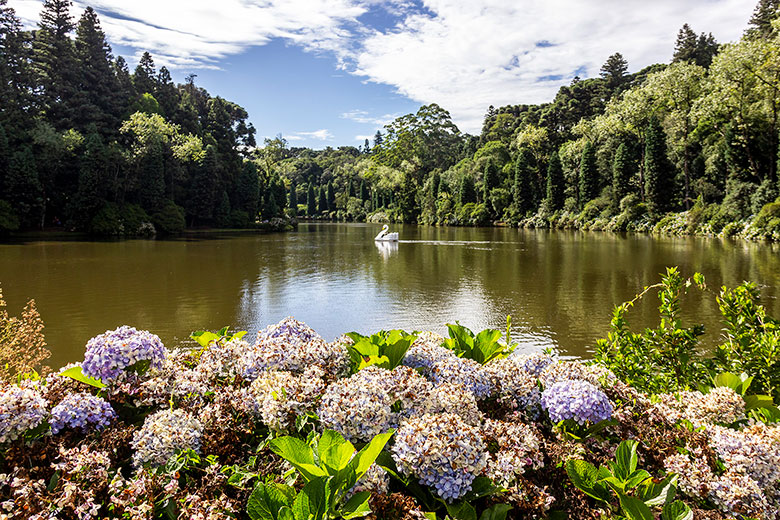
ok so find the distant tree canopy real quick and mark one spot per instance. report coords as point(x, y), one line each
point(87, 143)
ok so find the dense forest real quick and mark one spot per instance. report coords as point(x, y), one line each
point(685, 147)
point(85, 144)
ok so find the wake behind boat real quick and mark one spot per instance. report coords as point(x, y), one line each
point(384, 236)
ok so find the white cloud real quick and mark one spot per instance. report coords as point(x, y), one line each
point(466, 56)
point(462, 54)
point(318, 135)
point(362, 138)
point(363, 117)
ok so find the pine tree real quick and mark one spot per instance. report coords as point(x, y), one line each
point(125, 94)
point(408, 203)
point(435, 184)
point(98, 86)
point(16, 81)
point(522, 192)
point(23, 187)
point(293, 199)
point(152, 179)
point(88, 199)
point(363, 191)
point(378, 138)
point(366, 147)
point(760, 25)
point(311, 201)
point(204, 188)
point(166, 94)
point(222, 211)
point(248, 189)
point(589, 175)
point(685, 46)
point(5, 155)
point(490, 180)
point(659, 175)
point(555, 183)
point(350, 188)
point(331, 197)
point(614, 70)
point(145, 76)
point(322, 201)
point(622, 171)
point(467, 192)
point(55, 63)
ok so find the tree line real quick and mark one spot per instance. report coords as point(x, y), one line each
point(699, 134)
point(87, 144)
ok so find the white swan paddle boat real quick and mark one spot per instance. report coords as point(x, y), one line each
point(384, 236)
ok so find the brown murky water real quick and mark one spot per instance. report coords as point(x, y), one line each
point(559, 287)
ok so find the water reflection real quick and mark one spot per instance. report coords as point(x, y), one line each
point(386, 249)
point(559, 287)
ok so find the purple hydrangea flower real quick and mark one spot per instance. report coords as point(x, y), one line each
point(109, 355)
point(576, 400)
point(442, 451)
point(81, 411)
point(21, 410)
point(467, 372)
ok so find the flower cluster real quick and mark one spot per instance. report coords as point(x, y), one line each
point(579, 401)
point(21, 410)
point(454, 398)
point(109, 356)
point(375, 480)
point(83, 474)
point(570, 370)
point(466, 372)
point(534, 364)
point(357, 407)
point(426, 351)
point(721, 405)
point(163, 434)
point(442, 451)
point(81, 411)
point(292, 346)
point(754, 451)
point(514, 384)
point(283, 396)
point(513, 448)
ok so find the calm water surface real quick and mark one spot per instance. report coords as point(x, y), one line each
point(559, 287)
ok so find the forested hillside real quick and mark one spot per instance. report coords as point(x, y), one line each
point(689, 146)
point(86, 144)
point(685, 147)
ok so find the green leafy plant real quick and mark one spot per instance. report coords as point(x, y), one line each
point(205, 337)
point(329, 466)
point(385, 349)
point(661, 359)
point(76, 374)
point(635, 490)
point(481, 347)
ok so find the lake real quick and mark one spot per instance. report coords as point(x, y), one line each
point(560, 287)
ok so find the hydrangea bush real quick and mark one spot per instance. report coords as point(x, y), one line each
point(21, 410)
point(83, 412)
point(193, 428)
point(110, 356)
point(578, 401)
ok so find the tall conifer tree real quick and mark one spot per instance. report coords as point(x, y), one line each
point(589, 175)
point(555, 182)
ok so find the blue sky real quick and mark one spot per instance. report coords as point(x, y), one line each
point(331, 72)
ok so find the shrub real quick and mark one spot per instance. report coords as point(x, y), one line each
point(107, 221)
point(170, 219)
point(134, 219)
point(9, 221)
point(464, 213)
point(480, 216)
point(766, 193)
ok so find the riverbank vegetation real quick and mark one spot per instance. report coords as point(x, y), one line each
point(88, 145)
point(684, 147)
point(689, 147)
point(400, 426)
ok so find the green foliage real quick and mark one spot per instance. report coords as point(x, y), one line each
point(385, 349)
point(481, 347)
point(658, 171)
point(329, 466)
point(661, 359)
point(170, 219)
point(635, 489)
point(206, 338)
point(555, 183)
point(76, 374)
point(752, 340)
point(9, 221)
point(589, 174)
